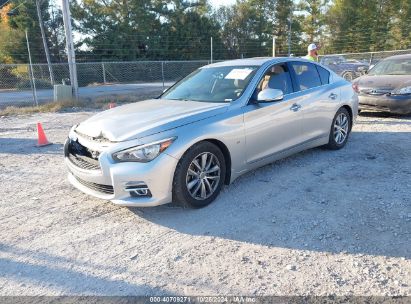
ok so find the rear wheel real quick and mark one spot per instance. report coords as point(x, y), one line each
point(340, 130)
point(199, 176)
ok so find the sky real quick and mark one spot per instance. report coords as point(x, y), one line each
point(218, 3)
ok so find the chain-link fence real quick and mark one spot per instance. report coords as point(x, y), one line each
point(136, 79)
point(20, 86)
point(353, 65)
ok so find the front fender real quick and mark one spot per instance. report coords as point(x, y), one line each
point(227, 128)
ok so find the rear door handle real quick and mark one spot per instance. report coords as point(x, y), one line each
point(333, 96)
point(295, 107)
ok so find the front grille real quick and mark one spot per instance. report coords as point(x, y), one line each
point(81, 156)
point(376, 92)
point(106, 189)
point(83, 163)
point(365, 107)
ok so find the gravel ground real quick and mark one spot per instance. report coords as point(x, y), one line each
point(317, 223)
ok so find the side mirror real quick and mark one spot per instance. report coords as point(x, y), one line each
point(269, 95)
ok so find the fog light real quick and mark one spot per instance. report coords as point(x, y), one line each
point(140, 192)
point(137, 189)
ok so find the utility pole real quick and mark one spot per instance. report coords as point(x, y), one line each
point(211, 50)
point(32, 79)
point(274, 37)
point(289, 34)
point(70, 48)
point(43, 36)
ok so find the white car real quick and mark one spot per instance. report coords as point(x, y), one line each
point(219, 122)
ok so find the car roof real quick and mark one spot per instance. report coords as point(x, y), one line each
point(256, 61)
point(403, 56)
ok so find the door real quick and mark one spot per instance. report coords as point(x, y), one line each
point(272, 127)
point(318, 98)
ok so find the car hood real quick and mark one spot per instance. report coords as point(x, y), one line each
point(353, 64)
point(145, 118)
point(383, 82)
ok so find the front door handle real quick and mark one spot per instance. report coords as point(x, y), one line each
point(333, 96)
point(295, 107)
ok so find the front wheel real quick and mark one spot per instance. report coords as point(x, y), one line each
point(199, 176)
point(348, 76)
point(340, 130)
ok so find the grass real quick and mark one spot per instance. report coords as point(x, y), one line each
point(99, 103)
point(42, 108)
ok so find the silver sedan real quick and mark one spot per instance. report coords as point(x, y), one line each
point(217, 123)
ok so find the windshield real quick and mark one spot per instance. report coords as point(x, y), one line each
point(392, 67)
point(219, 84)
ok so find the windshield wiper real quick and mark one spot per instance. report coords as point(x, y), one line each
point(180, 99)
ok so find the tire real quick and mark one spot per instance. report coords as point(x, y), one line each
point(196, 184)
point(348, 76)
point(340, 130)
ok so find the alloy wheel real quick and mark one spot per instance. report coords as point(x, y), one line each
point(203, 176)
point(341, 128)
point(348, 76)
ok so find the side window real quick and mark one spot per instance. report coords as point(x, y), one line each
point(306, 75)
point(277, 77)
point(324, 75)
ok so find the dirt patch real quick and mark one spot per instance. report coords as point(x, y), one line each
point(318, 223)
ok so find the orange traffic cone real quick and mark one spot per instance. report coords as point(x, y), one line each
point(111, 105)
point(42, 139)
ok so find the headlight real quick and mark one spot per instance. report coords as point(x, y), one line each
point(402, 91)
point(144, 153)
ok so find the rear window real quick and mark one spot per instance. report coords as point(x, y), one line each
point(324, 75)
point(307, 75)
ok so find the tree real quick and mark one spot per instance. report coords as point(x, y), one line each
point(313, 19)
point(143, 29)
point(186, 30)
point(56, 35)
point(27, 19)
point(285, 13)
point(115, 30)
point(6, 35)
point(400, 30)
point(248, 26)
point(366, 25)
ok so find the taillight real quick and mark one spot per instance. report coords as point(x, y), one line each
point(355, 88)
